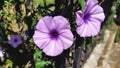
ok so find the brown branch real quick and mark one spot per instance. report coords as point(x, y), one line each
point(101, 2)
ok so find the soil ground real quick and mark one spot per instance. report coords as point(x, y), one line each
point(114, 56)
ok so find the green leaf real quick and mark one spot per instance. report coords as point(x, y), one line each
point(1, 67)
point(82, 3)
point(93, 38)
point(9, 63)
point(36, 3)
point(8, 36)
point(89, 46)
point(39, 65)
point(38, 54)
point(5, 25)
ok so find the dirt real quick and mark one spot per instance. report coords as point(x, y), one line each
point(114, 56)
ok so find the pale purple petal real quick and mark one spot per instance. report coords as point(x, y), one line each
point(40, 35)
point(99, 17)
point(53, 35)
point(41, 43)
point(91, 28)
point(95, 23)
point(96, 10)
point(91, 19)
point(53, 48)
point(90, 4)
point(41, 39)
point(82, 30)
point(66, 37)
point(61, 23)
point(79, 18)
point(94, 31)
point(45, 24)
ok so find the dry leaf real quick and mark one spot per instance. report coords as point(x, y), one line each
point(14, 26)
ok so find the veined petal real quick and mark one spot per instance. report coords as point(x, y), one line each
point(99, 17)
point(40, 35)
point(66, 37)
point(90, 4)
point(93, 16)
point(41, 39)
point(45, 24)
point(80, 29)
point(53, 48)
point(95, 23)
point(96, 10)
point(91, 28)
point(61, 23)
point(94, 31)
point(79, 18)
point(41, 43)
point(48, 32)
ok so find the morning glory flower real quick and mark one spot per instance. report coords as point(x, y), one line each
point(89, 21)
point(15, 40)
point(53, 35)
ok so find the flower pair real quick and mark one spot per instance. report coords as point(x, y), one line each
point(53, 34)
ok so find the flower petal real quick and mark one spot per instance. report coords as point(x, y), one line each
point(53, 48)
point(67, 39)
point(45, 24)
point(80, 29)
point(93, 16)
point(79, 18)
point(40, 35)
point(92, 28)
point(90, 4)
point(99, 17)
point(41, 43)
point(96, 10)
point(41, 39)
point(96, 23)
point(61, 23)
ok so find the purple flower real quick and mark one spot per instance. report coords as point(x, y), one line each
point(53, 35)
point(89, 22)
point(15, 40)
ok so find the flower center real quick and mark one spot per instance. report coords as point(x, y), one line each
point(86, 17)
point(15, 40)
point(54, 34)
